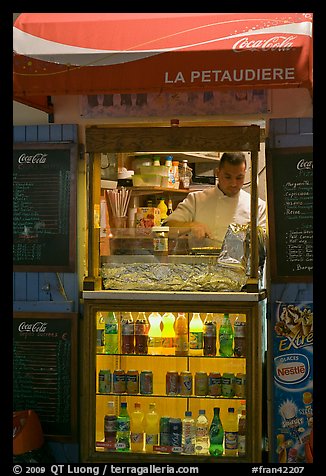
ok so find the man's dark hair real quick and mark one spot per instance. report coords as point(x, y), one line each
point(233, 158)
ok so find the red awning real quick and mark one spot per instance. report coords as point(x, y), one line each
point(102, 53)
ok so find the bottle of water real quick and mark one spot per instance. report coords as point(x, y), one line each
point(202, 434)
point(216, 434)
point(188, 434)
point(111, 334)
point(185, 174)
point(226, 337)
point(123, 429)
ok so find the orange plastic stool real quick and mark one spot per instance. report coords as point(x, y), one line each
point(27, 432)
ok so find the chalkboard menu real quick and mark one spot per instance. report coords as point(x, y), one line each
point(44, 207)
point(45, 370)
point(290, 192)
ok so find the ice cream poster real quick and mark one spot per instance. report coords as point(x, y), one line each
point(292, 331)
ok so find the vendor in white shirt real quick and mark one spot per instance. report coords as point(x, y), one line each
point(209, 212)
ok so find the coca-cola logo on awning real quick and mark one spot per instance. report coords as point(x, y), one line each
point(276, 43)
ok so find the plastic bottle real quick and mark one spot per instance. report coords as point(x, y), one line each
point(185, 174)
point(163, 209)
point(202, 434)
point(209, 335)
point(100, 333)
point(175, 168)
point(196, 336)
point(141, 334)
point(168, 163)
point(216, 434)
point(242, 406)
point(181, 334)
point(239, 337)
point(188, 434)
point(110, 427)
point(231, 433)
point(226, 337)
point(152, 428)
point(127, 333)
point(168, 333)
point(242, 434)
point(155, 333)
point(137, 429)
point(157, 161)
point(111, 333)
point(170, 207)
point(123, 428)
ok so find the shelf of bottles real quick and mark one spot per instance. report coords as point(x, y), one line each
point(181, 365)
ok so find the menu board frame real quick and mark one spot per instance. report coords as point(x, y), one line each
point(47, 262)
point(277, 234)
point(41, 328)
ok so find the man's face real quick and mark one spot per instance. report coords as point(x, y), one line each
point(231, 178)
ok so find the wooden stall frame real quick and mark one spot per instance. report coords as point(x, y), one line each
point(102, 139)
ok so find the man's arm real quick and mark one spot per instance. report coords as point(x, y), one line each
point(198, 230)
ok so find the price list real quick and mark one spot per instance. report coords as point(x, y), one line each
point(42, 352)
point(293, 212)
point(41, 208)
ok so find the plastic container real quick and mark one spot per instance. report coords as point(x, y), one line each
point(160, 240)
point(154, 170)
point(123, 429)
point(154, 333)
point(152, 428)
point(226, 337)
point(137, 430)
point(202, 434)
point(168, 333)
point(181, 334)
point(110, 427)
point(146, 180)
point(196, 340)
point(188, 434)
point(111, 334)
point(231, 433)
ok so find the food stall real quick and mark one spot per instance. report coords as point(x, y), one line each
point(146, 283)
point(104, 291)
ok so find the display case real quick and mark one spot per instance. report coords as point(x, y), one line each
point(244, 387)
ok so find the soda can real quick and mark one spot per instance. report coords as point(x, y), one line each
point(172, 382)
point(175, 431)
point(146, 382)
point(214, 384)
point(201, 383)
point(119, 381)
point(164, 431)
point(185, 383)
point(132, 381)
point(104, 381)
point(228, 385)
point(240, 385)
